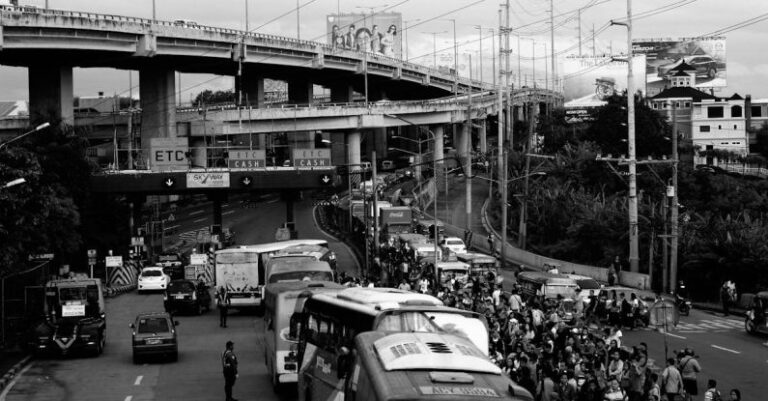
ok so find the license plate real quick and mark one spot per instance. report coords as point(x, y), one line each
point(179, 296)
point(153, 341)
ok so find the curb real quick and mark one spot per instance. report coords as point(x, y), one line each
point(12, 372)
point(115, 291)
point(710, 308)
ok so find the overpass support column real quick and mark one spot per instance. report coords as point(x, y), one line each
point(300, 91)
point(341, 93)
point(465, 142)
point(353, 154)
point(253, 90)
point(50, 94)
point(439, 131)
point(157, 92)
point(483, 137)
point(380, 142)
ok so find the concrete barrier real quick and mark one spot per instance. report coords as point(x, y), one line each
point(11, 374)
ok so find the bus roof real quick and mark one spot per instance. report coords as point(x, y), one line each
point(472, 256)
point(372, 301)
point(430, 351)
point(298, 287)
point(302, 249)
point(452, 265)
point(273, 246)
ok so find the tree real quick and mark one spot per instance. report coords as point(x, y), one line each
point(210, 97)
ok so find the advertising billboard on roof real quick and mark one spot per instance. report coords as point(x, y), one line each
point(702, 58)
point(589, 81)
point(375, 33)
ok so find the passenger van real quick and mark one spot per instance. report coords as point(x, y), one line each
point(588, 285)
point(548, 285)
point(446, 270)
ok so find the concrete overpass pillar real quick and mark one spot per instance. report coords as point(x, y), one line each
point(439, 131)
point(157, 93)
point(253, 90)
point(380, 142)
point(300, 91)
point(483, 137)
point(353, 154)
point(50, 94)
point(465, 142)
point(338, 148)
point(341, 93)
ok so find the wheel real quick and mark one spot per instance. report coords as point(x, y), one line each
point(199, 308)
point(712, 72)
point(749, 326)
point(275, 381)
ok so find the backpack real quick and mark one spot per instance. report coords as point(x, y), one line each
point(715, 395)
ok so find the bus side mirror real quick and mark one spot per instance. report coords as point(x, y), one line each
point(343, 362)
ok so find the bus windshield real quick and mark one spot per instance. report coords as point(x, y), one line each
point(301, 275)
point(237, 257)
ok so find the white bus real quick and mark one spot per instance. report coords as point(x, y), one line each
point(329, 323)
point(280, 342)
point(423, 366)
point(240, 270)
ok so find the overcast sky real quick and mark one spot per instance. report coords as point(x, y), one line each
point(747, 62)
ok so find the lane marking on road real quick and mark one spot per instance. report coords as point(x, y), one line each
point(13, 381)
point(128, 397)
point(192, 213)
point(725, 349)
point(273, 200)
point(691, 331)
point(227, 212)
point(200, 220)
point(676, 336)
point(225, 205)
point(138, 381)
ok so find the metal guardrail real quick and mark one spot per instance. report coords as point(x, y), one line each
point(283, 41)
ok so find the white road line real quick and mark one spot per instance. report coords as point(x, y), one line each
point(725, 349)
point(225, 205)
point(227, 212)
point(200, 220)
point(676, 336)
point(138, 381)
point(192, 213)
point(16, 378)
point(128, 398)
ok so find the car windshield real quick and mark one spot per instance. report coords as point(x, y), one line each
point(181, 286)
point(153, 325)
point(151, 273)
point(454, 242)
point(301, 276)
point(588, 284)
point(72, 294)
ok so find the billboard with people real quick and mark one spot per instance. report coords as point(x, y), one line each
point(378, 33)
point(702, 58)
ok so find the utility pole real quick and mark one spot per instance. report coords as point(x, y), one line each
point(480, 55)
point(493, 55)
point(509, 139)
point(519, 69)
point(468, 170)
point(593, 40)
point(455, 60)
point(579, 22)
point(634, 258)
point(552, 37)
point(533, 62)
point(246, 16)
point(298, 21)
point(674, 208)
point(375, 207)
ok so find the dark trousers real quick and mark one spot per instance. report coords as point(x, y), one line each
point(726, 306)
point(223, 311)
point(229, 382)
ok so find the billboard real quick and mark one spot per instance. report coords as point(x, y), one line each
point(704, 56)
point(376, 33)
point(589, 81)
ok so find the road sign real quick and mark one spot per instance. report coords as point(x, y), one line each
point(169, 182)
point(326, 179)
point(247, 158)
point(168, 153)
point(246, 181)
point(207, 180)
point(198, 259)
point(114, 261)
point(312, 157)
point(171, 217)
point(136, 241)
point(41, 256)
point(91, 253)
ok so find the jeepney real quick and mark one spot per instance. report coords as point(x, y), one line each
point(481, 265)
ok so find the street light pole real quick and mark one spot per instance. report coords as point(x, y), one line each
point(434, 46)
point(298, 21)
point(38, 128)
point(480, 55)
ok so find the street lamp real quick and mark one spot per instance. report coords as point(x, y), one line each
point(38, 128)
point(434, 174)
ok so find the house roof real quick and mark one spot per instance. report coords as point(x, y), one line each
point(684, 92)
point(736, 96)
point(681, 74)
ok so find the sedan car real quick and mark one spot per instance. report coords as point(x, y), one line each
point(187, 295)
point(455, 244)
point(705, 66)
point(154, 334)
point(153, 279)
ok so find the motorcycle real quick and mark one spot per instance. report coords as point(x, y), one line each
point(683, 305)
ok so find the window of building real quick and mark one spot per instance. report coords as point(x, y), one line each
point(655, 105)
point(715, 112)
point(735, 126)
point(736, 111)
point(719, 127)
point(704, 128)
point(687, 105)
point(757, 111)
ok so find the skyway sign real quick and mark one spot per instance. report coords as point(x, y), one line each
point(312, 158)
point(207, 180)
point(247, 158)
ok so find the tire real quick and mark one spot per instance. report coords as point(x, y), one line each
point(276, 387)
point(712, 72)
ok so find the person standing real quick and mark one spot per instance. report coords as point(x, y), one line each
point(689, 368)
point(222, 302)
point(229, 365)
point(712, 393)
point(671, 381)
point(613, 271)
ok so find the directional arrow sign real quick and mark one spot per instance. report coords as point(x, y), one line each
point(246, 181)
point(169, 182)
point(326, 179)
